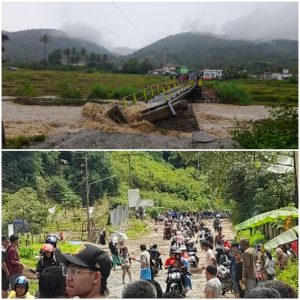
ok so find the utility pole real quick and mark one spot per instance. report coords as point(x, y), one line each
point(295, 157)
point(87, 196)
point(129, 170)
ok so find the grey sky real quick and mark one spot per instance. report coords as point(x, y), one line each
point(102, 22)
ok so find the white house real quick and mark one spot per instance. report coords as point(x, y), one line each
point(277, 76)
point(209, 74)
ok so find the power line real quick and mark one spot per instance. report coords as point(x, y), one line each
point(131, 22)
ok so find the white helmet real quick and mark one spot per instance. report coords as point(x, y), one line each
point(183, 248)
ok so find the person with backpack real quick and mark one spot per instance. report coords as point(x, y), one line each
point(47, 258)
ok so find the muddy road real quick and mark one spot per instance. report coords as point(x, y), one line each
point(198, 279)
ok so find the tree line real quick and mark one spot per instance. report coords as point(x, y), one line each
point(236, 181)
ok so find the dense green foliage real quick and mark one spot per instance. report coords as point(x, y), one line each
point(255, 237)
point(279, 131)
point(289, 275)
point(250, 91)
point(133, 66)
point(253, 190)
point(24, 205)
point(235, 181)
point(230, 92)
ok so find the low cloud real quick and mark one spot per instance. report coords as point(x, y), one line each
point(86, 32)
point(265, 22)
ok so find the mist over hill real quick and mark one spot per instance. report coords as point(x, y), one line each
point(198, 51)
point(193, 49)
point(25, 45)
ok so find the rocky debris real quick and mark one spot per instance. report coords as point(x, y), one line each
point(94, 139)
point(202, 137)
point(117, 115)
point(184, 122)
point(209, 96)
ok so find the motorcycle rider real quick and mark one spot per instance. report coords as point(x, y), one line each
point(190, 248)
point(178, 265)
point(217, 223)
point(20, 289)
point(47, 258)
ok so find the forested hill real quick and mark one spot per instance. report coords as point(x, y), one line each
point(25, 45)
point(198, 51)
point(235, 181)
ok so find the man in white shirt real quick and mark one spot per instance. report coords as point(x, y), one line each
point(145, 263)
point(213, 287)
point(210, 258)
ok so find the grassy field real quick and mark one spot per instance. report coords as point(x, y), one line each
point(270, 91)
point(263, 92)
point(45, 83)
point(79, 85)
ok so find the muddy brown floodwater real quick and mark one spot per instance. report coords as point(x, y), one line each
point(219, 119)
point(30, 120)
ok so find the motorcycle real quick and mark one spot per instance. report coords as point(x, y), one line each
point(193, 259)
point(174, 282)
point(225, 278)
point(167, 234)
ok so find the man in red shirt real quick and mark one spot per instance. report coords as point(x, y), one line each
point(170, 260)
point(14, 265)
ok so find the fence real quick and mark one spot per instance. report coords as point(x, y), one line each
point(169, 90)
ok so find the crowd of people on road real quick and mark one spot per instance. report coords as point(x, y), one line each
point(229, 266)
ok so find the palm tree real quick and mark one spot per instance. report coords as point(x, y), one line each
point(4, 38)
point(83, 54)
point(67, 52)
point(44, 39)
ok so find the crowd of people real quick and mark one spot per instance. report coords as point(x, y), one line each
point(229, 266)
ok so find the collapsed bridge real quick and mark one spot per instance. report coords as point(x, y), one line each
point(164, 99)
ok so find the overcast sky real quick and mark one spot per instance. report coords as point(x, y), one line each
point(137, 24)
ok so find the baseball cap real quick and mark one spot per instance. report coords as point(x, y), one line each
point(89, 256)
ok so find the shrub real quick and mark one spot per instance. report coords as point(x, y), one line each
point(137, 228)
point(66, 90)
point(289, 275)
point(280, 131)
point(123, 91)
point(22, 141)
point(27, 90)
point(231, 93)
point(99, 92)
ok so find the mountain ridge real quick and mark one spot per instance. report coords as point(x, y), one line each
point(194, 49)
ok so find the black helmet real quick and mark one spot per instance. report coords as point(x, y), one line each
point(52, 240)
point(21, 281)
